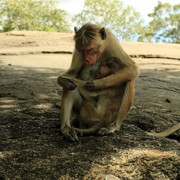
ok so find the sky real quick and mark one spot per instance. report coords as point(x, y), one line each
point(144, 7)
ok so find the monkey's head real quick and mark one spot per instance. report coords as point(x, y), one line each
point(108, 67)
point(90, 42)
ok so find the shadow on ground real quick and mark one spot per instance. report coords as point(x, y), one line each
point(31, 146)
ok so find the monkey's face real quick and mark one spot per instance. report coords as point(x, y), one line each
point(90, 53)
point(108, 67)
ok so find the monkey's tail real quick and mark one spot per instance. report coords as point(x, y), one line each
point(89, 131)
point(167, 132)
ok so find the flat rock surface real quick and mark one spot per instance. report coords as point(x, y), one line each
point(31, 145)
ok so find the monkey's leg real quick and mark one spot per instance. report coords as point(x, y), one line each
point(126, 103)
point(69, 100)
point(88, 114)
point(89, 119)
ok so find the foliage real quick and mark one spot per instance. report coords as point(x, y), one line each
point(125, 22)
point(165, 24)
point(40, 15)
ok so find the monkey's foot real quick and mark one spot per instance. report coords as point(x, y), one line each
point(66, 82)
point(108, 130)
point(70, 134)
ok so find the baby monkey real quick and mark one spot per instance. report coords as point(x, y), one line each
point(94, 118)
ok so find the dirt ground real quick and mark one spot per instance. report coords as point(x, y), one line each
point(31, 145)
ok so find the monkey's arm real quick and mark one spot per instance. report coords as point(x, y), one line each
point(72, 72)
point(80, 84)
point(121, 76)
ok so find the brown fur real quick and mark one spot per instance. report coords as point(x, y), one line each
point(93, 45)
point(109, 100)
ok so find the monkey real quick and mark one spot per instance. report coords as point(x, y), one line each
point(93, 44)
point(91, 118)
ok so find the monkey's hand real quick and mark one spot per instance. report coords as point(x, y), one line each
point(69, 133)
point(90, 86)
point(95, 85)
point(66, 82)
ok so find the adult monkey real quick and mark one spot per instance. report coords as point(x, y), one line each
point(93, 44)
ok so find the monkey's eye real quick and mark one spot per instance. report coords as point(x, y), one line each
point(90, 50)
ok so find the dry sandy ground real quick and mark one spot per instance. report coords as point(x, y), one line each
point(31, 146)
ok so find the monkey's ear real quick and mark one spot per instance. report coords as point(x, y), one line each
point(103, 33)
point(75, 29)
